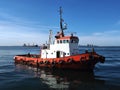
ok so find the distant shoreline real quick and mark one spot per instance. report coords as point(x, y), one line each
point(79, 46)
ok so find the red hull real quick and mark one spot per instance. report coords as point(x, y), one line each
point(85, 61)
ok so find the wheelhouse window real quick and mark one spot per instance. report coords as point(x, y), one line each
point(67, 41)
point(60, 41)
point(67, 53)
point(64, 41)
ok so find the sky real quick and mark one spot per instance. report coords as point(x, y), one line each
point(95, 22)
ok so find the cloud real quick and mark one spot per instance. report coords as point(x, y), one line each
point(107, 33)
point(17, 35)
point(16, 31)
point(107, 38)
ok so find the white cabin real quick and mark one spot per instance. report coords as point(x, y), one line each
point(64, 46)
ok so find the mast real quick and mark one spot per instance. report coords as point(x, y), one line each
point(61, 24)
point(50, 37)
point(61, 20)
point(62, 27)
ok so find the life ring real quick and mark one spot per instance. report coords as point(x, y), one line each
point(53, 62)
point(15, 58)
point(61, 61)
point(41, 62)
point(102, 59)
point(21, 61)
point(82, 59)
point(25, 63)
point(46, 62)
point(29, 63)
point(91, 57)
point(70, 60)
point(37, 64)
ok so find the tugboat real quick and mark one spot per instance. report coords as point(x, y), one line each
point(63, 53)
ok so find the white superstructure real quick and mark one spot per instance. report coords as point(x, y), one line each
point(62, 46)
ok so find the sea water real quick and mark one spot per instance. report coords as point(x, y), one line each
point(20, 77)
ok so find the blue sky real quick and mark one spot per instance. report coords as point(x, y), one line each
point(29, 21)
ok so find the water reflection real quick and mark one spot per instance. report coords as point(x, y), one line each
point(65, 79)
point(60, 79)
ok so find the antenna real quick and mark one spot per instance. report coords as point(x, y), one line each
point(50, 37)
point(61, 24)
point(61, 20)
